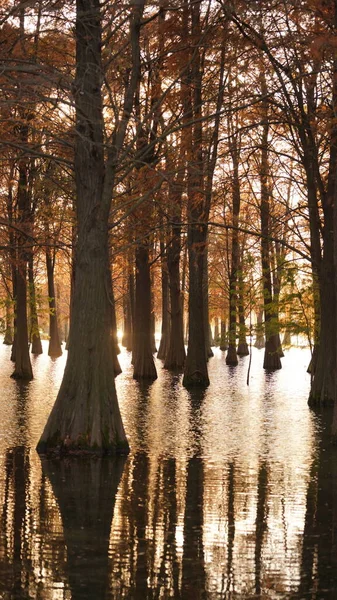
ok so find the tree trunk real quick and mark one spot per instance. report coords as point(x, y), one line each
point(23, 367)
point(36, 345)
point(142, 358)
point(195, 373)
point(127, 330)
point(54, 349)
point(216, 331)
point(86, 416)
point(175, 358)
point(242, 349)
point(208, 331)
point(271, 356)
point(165, 323)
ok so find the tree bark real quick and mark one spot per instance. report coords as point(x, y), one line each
point(86, 416)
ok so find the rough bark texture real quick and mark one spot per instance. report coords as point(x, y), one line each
point(86, 416)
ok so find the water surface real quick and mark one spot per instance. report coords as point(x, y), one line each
point(229, 493)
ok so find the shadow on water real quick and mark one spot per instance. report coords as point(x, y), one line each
point(228, 493)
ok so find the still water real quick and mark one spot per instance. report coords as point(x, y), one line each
point(227, 494)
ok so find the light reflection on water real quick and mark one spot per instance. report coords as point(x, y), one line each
point(227, 493)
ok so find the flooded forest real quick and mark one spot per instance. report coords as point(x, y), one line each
point(168, 284)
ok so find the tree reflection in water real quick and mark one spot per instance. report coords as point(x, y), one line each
point(225, 495)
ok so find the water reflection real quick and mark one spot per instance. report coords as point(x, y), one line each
point(229, 493)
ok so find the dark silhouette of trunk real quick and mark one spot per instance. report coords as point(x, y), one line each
point(113, 332)
point(271, 355)
point(86, 416)
point(23, 367)
point(129, 313)
point(208, 331)
point(153, 328)
point(242, 349)
point(175, 357)
point(165, 323)
point(54, 349)
point(8, 337)
point(216, 331)
point(142, 358)
point(127, 330)
point(86, 492)
point(195, 373)
point(277, 260)
point(36, 345)
point(232, 358)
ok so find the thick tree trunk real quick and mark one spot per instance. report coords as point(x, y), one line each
point(142, 358)
point(195, 373)
point(36, 345)
point(55, 348)
point(86, 416)
point(23, 367)
point(323, 378)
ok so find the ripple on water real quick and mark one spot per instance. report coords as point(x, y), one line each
point(214, 501)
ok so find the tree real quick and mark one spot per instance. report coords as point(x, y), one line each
point(86, 416)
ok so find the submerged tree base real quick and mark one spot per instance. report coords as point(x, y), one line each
point(67, 447)
point(195, 379)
